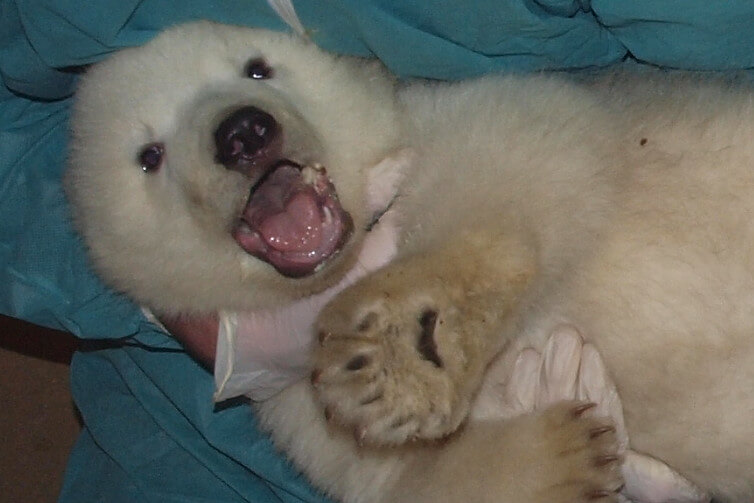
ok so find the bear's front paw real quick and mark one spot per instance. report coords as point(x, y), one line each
point(391, 363)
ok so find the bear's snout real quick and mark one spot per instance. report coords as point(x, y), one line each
point(246, 140)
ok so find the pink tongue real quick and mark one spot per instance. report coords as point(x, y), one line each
point(292, 225)
point(296, 228)
point(285, 211)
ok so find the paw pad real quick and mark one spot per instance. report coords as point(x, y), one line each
point(357, 363)
point(427, 345)
point(367, 322)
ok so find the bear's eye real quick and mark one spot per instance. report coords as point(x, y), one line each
point(258, 69)
point(150, 157)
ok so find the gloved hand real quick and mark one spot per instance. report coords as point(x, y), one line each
point(569, 369)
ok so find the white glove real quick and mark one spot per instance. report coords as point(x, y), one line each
point(569, 369)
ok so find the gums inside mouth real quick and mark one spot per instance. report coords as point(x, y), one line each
point(293, 220)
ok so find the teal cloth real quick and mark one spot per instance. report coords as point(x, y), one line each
point(151, 431)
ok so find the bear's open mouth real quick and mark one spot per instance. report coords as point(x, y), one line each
point(293, 219)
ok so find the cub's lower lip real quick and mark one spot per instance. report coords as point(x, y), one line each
point(293, 220)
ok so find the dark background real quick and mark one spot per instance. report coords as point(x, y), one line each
point(38, 421)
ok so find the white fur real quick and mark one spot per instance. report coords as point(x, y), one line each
point(623, 205)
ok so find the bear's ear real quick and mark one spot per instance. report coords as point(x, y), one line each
point(384, 179)
point(284, 9)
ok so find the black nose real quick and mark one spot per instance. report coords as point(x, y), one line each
point(242, 137)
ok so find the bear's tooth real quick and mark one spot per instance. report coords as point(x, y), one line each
point(309, 175)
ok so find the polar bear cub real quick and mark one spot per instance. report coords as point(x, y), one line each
point(225, 168)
